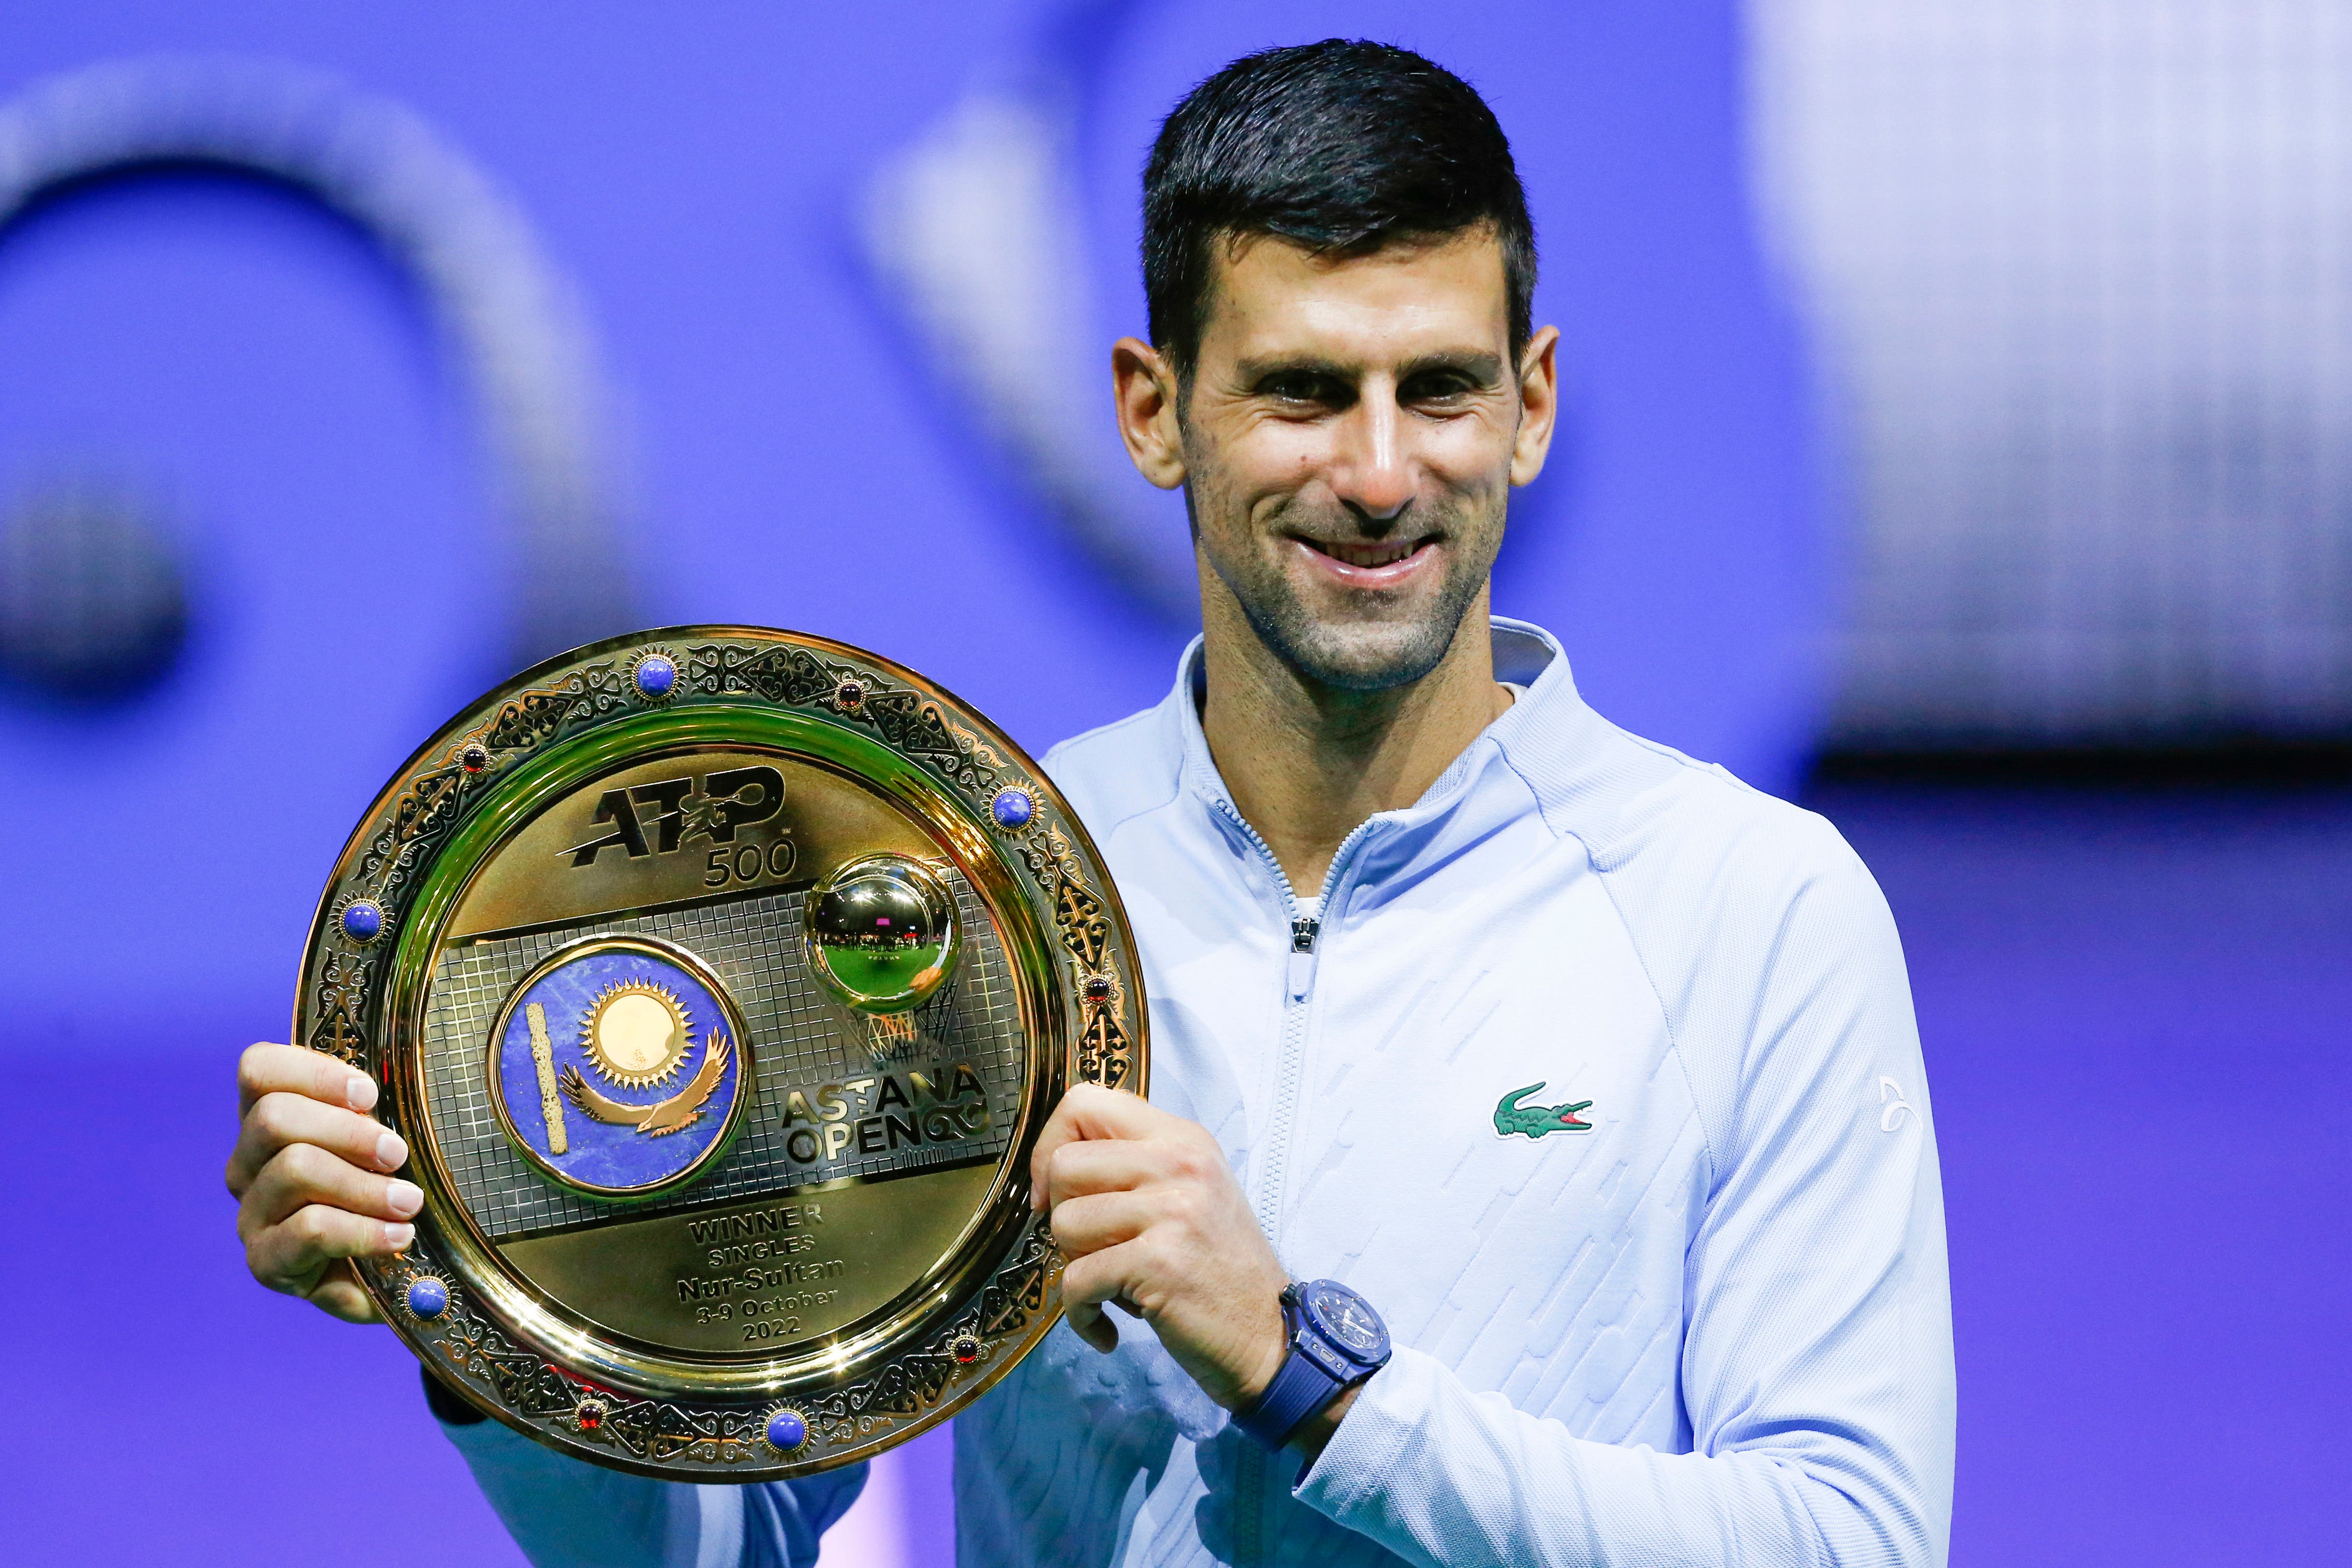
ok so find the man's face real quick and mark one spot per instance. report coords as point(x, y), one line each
point(1348, 445)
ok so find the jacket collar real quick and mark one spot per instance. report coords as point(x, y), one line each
point(1525, 655)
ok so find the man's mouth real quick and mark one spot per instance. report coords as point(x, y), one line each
point(1386, 554)
point(1360, 563)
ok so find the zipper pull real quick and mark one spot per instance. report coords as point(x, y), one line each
point(1303, 931)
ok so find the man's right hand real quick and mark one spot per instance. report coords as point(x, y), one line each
point(312, 1174)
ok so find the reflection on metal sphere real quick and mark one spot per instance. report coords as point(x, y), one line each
point(881, 932)
point(877, 908)
point(93, 599)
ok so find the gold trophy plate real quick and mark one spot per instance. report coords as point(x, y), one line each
point(721, 980)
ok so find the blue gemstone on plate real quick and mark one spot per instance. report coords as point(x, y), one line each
point(362, 921)
point(655, 676)
point(427, 1298)
point(786, 1430)
point(1012, 808)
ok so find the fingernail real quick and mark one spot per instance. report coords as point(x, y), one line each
point(404, 1197)
point(391, 1153)
point(358, 1094)
point(398, 1237)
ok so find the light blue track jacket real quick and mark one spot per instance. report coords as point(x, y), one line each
point(1712, 1325)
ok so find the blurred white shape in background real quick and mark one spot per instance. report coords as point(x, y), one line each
point(511, 317)
point(2080, 274)
point(906, 1516)
point(976, 231)
point(873, 1533)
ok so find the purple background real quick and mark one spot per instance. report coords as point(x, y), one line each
point(2133, 1005)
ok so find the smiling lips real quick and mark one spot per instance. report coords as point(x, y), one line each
point(1387, 564)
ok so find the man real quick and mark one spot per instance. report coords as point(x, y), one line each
point(1562, 1055)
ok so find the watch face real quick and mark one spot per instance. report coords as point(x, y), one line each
point(1347, 1320)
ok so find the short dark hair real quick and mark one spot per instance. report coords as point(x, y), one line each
point(1342, 147)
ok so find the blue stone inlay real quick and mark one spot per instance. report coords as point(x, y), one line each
point(1012, 808)
point(362, 921)
point(427, 1298)
point(613, 1155)
point(655, 676)
point(786, 1430)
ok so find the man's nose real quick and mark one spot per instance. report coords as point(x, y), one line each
point(1372, 473)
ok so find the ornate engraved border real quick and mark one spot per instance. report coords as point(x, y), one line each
point(674, 1433)
point(339, 1010)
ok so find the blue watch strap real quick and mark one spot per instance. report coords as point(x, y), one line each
point(1335, 1340)
point(1298, 1390)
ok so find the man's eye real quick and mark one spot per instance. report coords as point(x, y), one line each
point(1435, 389)
point(1295, 389)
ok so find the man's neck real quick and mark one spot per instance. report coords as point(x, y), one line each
point(1306, 763)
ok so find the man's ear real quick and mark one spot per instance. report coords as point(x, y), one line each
point(1538, 405)
point(1145, 386)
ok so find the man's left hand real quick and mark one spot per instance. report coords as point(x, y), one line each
point(1151, 1219)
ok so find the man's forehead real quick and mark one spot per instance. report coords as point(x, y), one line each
point(1274, 299)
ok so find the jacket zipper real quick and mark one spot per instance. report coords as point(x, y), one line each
point(1298, 981)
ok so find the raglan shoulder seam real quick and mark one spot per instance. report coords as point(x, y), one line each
point(1140, 715)
point(1641, 957)
point(1104, 833)
point(1174, 794)
point(1715, 1162)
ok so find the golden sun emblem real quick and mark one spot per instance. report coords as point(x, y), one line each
point(635, 1034)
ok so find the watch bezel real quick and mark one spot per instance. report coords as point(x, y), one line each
point(1315, 1322)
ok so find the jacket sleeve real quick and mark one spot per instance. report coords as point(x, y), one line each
point(1816, 1378)
point(565, 1513)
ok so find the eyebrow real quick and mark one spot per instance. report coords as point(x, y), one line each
point(1483, 364)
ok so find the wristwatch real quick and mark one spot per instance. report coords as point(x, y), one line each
point(1336, 1342)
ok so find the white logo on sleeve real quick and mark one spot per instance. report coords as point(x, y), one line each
point(1893, 1107)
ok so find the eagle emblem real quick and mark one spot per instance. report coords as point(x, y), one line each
point(619, 1067)
point(675, 1115)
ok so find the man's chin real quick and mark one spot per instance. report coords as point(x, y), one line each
point(1352, 641)
point(1366, 659)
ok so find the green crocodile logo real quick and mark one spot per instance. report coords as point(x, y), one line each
point(1535, 1121)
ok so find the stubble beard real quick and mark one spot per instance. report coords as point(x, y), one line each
point(1364, 652)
